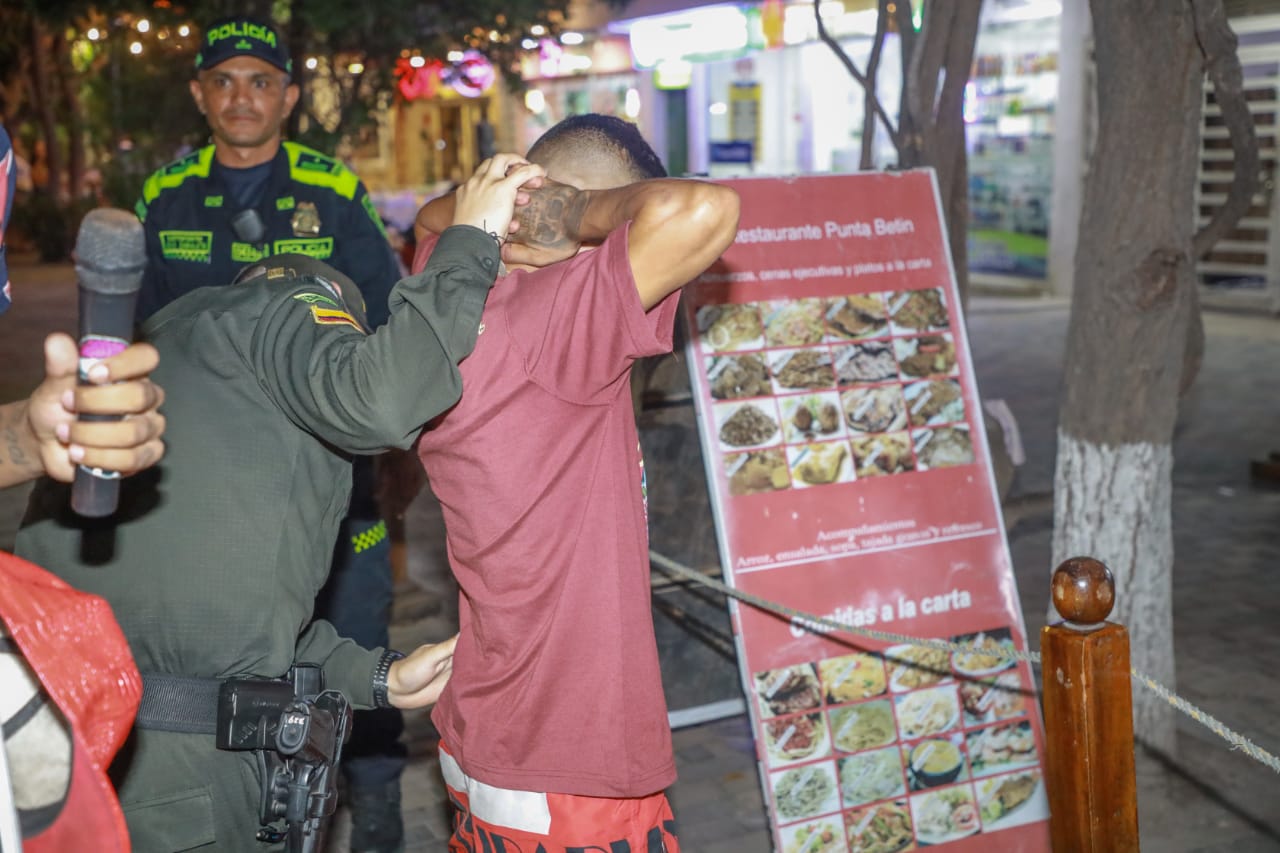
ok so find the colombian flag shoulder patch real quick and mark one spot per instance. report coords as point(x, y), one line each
point(333, 317)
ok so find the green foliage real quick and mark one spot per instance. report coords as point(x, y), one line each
point(377, 34)
point(142, 100)
point(139, 108)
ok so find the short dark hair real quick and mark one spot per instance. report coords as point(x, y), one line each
point(596, 134)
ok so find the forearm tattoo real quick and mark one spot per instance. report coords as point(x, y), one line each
point(14, 434)
point(553, 217)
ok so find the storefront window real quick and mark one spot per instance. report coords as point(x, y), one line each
point(1009, 122)
point(794, 108)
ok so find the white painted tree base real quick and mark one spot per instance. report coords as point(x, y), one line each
point(1115, 504)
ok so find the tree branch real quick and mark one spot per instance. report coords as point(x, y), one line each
point(867, 156)
point(903, 18)
point(853, 71)
point(1218, 45)
point(920, 90)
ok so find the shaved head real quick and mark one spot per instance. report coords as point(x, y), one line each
point(595, 151)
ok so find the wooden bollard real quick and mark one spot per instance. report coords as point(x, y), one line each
point(1088, 716)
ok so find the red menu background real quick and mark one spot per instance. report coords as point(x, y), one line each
point(876, 507)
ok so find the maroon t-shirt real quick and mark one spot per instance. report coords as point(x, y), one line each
point(555, 683)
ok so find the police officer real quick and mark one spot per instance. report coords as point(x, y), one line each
point(245, 197)
point(213, 560)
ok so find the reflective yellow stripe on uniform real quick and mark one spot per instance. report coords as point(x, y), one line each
point(315, 169)
point(194, 165)
point(366, 539)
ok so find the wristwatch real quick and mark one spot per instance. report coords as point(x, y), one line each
point(380, 673)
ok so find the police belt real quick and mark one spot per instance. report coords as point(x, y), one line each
point(179, 703)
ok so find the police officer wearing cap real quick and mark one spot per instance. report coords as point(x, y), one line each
point(246, 197)
point(213, 560)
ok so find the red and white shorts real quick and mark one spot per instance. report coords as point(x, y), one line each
point(487, 819)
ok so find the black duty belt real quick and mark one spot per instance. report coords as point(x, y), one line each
point(180, 703)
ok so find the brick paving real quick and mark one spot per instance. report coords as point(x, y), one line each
point(1205, 799)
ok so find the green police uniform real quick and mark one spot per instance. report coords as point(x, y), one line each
point(310, 205)
point(213, 560)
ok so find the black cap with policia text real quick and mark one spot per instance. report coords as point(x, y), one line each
point(231, 37)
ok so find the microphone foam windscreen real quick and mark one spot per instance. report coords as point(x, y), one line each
point(110, 251)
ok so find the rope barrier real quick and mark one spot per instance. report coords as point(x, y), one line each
point(1238, 741)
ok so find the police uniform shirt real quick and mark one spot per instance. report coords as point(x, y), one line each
point(214, 558)
point(310, 204)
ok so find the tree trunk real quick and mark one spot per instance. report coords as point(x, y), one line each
point(1134, 300)
point(61, 54)
point(931, 125)
point(866, 158)
point(42, 97)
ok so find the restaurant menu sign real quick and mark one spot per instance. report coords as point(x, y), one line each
point(850, 479)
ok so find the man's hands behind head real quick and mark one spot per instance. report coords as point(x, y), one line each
point(489, 197)
point(546, 228)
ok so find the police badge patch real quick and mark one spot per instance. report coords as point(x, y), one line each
point(305, 220)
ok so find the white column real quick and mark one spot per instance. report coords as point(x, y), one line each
point(696, 104)
point(1070, 140)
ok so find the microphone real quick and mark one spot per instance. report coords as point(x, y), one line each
point(110, 257)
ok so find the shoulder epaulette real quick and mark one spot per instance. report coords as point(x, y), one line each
point(194, 165)
point(318, 170)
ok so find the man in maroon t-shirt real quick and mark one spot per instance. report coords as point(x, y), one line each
point(554, 727)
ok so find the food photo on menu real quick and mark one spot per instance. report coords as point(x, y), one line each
point(1012, 800)
point(820, 464)
point(1004, 746)
point(730, 326)
point(848, 678)
point(802, 369)
point(918, 310)
point(788, 690)
point(756, 471)
point(928, 712)
point(805, 791)
point(944, 447)
point(858, 316)
point(796, 738)
point(873, 775)
point(866, 725)
point(750, 424)
point(810, 417)
point(870, 361)
point(881, 455)
point(937, 761)
point(736, 377)
point(945, 814)
point(793, 322)
point(912, 667)
point(994, 698)
point(882, 828)
point(986, 653)
point(926, 356)
point(874, 408)
point(825, 835)
point(934, 402)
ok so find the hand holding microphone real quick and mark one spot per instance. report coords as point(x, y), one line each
point(110, 258)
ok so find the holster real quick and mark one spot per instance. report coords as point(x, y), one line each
point(294, 727)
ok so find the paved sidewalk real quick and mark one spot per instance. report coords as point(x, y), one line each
point(1206, 799)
